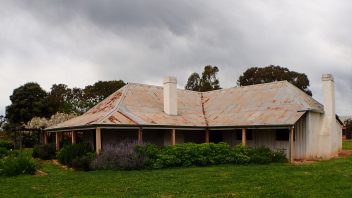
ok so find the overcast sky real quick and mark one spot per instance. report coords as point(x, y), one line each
point(80, 42)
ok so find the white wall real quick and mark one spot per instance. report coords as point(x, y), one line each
point(267, 137)
point(320, 142)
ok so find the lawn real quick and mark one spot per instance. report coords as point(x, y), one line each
point(347, 144)
point(319, 179)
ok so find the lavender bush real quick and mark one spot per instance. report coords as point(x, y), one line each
point(126, 155)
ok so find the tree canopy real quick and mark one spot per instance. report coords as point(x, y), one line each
point(2, 122)
point(42, 123)
point(193, 82)
point(271, 73)
point(207, 82)
point(28, 101)
point(77, 100)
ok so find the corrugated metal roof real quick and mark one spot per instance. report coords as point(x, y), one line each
point(277, 103)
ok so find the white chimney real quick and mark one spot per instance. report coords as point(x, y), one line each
point(329, 98)
point(326, 134)
point(170, 95)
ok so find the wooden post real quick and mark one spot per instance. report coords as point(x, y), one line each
point(98, 140)
point(173, 136)
point(206, 136)
point(57, 140)
point(140, 136)
point(73, 137)
point(45, 137)
point(244, 138)
point(292, 144)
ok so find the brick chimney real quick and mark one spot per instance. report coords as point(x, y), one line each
point(170, 95)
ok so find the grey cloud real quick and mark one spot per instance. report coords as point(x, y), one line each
point(141, 41)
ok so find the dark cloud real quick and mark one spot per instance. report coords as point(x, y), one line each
point(80, 42)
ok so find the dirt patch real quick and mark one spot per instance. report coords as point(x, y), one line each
point(345, 153)
point(301, 162)
point(40, 173)
point(57, 163)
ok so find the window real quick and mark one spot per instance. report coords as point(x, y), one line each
point(282, 134)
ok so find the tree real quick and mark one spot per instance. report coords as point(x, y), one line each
point(59, 98)
point(65, 100)
point(271, 73)
point(37, 124)
point(28, 101)
point(193, 82)
point(42, 123)
point(2, 122)
point(208, 82)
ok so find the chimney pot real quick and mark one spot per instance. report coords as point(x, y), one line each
point(327, 77)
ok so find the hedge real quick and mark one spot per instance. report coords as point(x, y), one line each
point(70, 152)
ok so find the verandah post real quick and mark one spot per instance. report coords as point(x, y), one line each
point(57, 140)
point(73, 137)
point(292, 143)
point(140, 135)
point(98, 140)
point(173, 136)
point(45, 137)
point(244, 140)
point(206, 136)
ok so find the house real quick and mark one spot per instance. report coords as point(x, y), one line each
point(277, 115)
point(345, 133)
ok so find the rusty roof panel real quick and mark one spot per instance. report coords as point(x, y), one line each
point(274, 103)
point(97, 114)
point(277, 103)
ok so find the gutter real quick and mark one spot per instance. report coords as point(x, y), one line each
point(111, 126)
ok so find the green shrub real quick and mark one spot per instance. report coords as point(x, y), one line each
point(44, 151)
point(130, 155)
point(260, 155)
point(8, 153)
point(6, 144)
point(279, 156)
point(239, 158)
point(186, 155)
point(3, 152)
point(83, 163)
point(69, 152)
point(21, 164)
point(28, 141)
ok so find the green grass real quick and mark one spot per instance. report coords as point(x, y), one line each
point(347, 144)
point(328, 178)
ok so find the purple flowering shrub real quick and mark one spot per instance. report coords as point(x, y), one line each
point(127, 155)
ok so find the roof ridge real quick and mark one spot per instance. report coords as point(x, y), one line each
point(127, 86)
point(236, 87)
point(246, 86)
